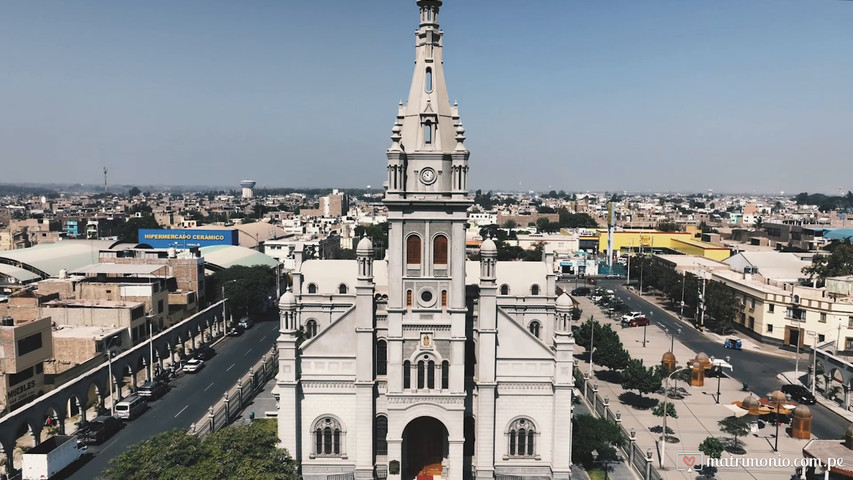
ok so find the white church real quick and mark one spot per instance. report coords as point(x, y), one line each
point(424, 364)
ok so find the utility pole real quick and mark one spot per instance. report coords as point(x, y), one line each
point(105, 179)
point(591, 343)
point(683, 281)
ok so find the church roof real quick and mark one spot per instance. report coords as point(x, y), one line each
point(519, 276)
point(327, 275)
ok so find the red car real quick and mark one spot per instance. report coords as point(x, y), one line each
point(636, 322)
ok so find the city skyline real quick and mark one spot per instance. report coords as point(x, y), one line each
point(663, 96)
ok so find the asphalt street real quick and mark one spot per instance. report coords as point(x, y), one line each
point(189, 398)
point(758, 370)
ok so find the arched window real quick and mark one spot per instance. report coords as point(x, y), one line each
point(427, 133)
point(328, 437)
point(445, 375)
point(381, 357)
point(310, 329)
point(534, 328)
point(380, 435)
point(534, 289)
point(428, 82)
point(504, 289)
point(444, 298)
point(413, 250)
point(521, 438)
point(342, 288)
point(408, 298)
point(439, 250)
point(431, 374)
point(421, 374)
point(312, 288)
point(407, 374)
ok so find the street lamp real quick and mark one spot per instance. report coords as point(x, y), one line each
point(672, 341)
point(224, 327)
point(683, 281)
point(799, 339)
point(594, 454)
point(665, 396)
point(777, 398)
point(719, 373)
point(110, 373)
point(591, 343)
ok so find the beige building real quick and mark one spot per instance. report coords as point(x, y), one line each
point(25, 346)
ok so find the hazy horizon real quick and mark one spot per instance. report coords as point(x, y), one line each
point(658, 96)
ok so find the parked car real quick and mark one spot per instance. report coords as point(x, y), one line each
point(733, 343)
point(630, 316)
point(99, 429)
point(581, 291)
point(246, 322)
point(636, 322)
point(193, 365)
point(614, 275)
point(236, 331)
point(205, 353)
point(799, 394)
point(152, 390)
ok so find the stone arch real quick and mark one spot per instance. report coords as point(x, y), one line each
point(398, 425)
point(504, 289)
point(425, 446)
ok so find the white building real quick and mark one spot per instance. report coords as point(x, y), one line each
point(425, 363)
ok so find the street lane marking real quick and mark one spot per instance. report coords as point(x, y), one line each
point(182, 411)
point(247, 352)
point(229, 368)
point(207, 387)
point(108, 445)
point(263, 338)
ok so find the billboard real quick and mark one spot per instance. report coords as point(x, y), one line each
point(186, 238)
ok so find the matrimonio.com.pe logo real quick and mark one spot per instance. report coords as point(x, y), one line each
point(689, 462)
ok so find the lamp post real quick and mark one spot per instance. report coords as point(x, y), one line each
point(224, 325)
point(814, 358)
point(110, 373)
point(591, 343)
point(777, 398)
point(672, 340)
point(150, 351)
point(799, 339)
point(665, 396)
point(683, 281)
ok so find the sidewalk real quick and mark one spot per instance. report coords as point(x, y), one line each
point(752, 345)
point(698, 413)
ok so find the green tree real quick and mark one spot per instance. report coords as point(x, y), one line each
point(237, 452)
point(736, 427)
point(246, 288)
point(609, 351)
point(712, 447)
point(669, 227)
point(720, 306)
point(670, 410)
point(346, 254)
point(378, 234)
point(128, 232)
point(599, 434)
point(133, 192)
point(576, 313)
point(836, 264)
point(636, 376)
point(510, 224)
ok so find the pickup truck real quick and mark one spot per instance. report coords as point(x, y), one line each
point(99, 429)
point(51, 456)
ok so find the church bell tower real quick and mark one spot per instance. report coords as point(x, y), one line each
point(426, 194)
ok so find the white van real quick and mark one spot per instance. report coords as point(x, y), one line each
point(131, 407)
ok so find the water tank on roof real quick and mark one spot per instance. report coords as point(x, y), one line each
point(63, 274)
point(8, 322)
point(172, 252)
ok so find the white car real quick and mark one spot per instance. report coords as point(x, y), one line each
point(630, 316)
point(193, 365)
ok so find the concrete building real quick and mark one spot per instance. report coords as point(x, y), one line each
point(248, 186)
point(333, 205)
point(25, 345)
point(426, 364)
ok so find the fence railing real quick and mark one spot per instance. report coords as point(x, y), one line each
point(633, 455)
point(223, 412)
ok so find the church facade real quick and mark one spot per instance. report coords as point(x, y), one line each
point(425, 363)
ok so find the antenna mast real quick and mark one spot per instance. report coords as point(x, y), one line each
point(105, 179)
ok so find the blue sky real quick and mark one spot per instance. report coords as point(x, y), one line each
point(647, 96)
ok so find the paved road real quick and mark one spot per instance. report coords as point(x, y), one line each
point(190, 397)
point(758, 370)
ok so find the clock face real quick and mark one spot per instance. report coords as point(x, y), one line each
point(428, 175)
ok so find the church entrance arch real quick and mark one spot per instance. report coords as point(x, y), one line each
point(425, 447)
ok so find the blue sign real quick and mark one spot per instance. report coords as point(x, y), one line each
point(186, 238)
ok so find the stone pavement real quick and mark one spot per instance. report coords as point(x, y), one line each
point(698, 413)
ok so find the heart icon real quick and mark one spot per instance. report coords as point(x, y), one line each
point(689, 461)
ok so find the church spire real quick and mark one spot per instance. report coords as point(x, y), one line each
point(427, 152)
